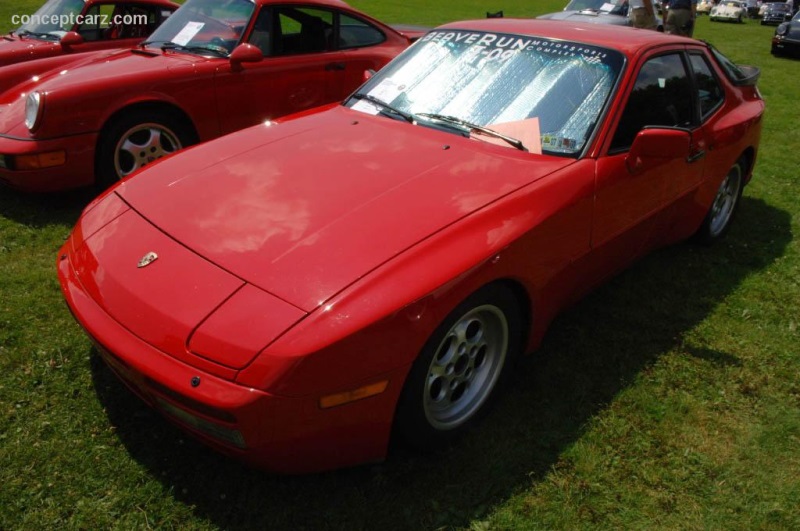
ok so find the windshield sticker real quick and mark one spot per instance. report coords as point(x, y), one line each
point(187, 33)
point(366, 107)
point(607, 8)
point(557, 142)
point(387, 90)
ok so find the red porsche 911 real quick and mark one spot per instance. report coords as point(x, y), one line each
point(63, 27)
point(298, 293)
point(212, 68)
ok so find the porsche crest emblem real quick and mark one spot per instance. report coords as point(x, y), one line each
point(147, 259)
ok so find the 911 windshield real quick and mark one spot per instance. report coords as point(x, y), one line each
point(210, 25)
point(617, 7)
point(48, 18)
point(550, 92)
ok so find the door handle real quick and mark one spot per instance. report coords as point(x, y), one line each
point(697, 155)
point(335, 66)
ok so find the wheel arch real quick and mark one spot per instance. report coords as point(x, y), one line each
point(524, 305)
point(749, 158)
point(141, 107)
point(150, 106)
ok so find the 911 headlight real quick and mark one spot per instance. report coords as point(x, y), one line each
point(782, 30)
point(34, 109)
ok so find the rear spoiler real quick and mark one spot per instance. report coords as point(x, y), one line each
point(750, 78)
point(739, 75)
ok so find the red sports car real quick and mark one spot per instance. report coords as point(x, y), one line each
point(296, 293)
point(212, 68)
point(63, 27)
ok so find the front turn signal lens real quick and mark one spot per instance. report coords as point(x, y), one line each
point(40, 160)
point(346, 397)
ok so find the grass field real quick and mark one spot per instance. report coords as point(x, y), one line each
point(669, 398)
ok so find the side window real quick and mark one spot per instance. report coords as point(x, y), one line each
point(709, 92)
point(354, 33)
point(96, 24)
point(260, 36)
point(662, 95)
point(303, 30)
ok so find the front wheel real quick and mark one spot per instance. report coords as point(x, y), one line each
point(718, 220)
point(460, 369)
point(133, 141)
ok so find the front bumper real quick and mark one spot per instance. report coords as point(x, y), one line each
point(277, 433)
point(783, 46)
point(729, 17)
point(773, 20)
point(77, 170)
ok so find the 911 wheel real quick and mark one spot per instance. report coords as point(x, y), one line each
point(143, 144)
point(136, 140)
point(460, 369)
point(718, 220)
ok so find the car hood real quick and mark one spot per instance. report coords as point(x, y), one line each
point(587, 15)
point(14, 50)
point(136, 64)
point(304, 208)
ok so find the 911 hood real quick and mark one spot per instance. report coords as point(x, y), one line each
point(13, 50)
point(305, 208)
point(109, 72)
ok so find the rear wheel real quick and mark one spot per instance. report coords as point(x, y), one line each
point(133, 141)
point(461, 368)
point(718, 220)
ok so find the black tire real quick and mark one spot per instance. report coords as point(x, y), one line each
point(463, 365)
point(115, 161)
point(723, 209)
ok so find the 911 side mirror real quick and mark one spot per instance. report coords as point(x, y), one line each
point(245, 53)
point(71, 38)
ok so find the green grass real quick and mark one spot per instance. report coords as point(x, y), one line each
point(669, 398)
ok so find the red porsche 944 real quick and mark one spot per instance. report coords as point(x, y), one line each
point(297, 293)
point(63, 27)
point(212, 68)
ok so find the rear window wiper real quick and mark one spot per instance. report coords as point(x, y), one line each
point(474, 128)
point(408, 117)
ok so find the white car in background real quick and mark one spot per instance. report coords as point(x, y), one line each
point(704, 7)
point(729, 11)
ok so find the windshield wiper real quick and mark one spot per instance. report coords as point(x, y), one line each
point(45, 36)
point(196, 49)
point(408, 117)
point(474, 128)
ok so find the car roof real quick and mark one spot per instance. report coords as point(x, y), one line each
point(625, 39)
point(326, 3)
point(163, 3)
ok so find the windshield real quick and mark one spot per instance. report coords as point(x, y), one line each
point(616, 7)
point(502, 82)
point(205, 25)
point(53, 19)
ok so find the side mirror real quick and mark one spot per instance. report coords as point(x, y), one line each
point(368, 74)
point(71, 38)
point(245, 53)
point(653, 147)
